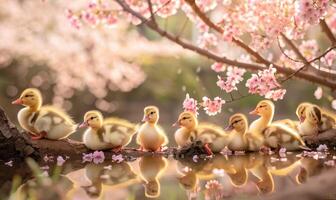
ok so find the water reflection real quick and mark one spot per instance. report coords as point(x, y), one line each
point(222, 176)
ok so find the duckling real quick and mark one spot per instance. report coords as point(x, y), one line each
point(328, 119)
point(42, 121)
point(310, 126)
point(111, 133)
point(276, 135)
point(288, 122)
point(212, 136)
point(151, 169)
point(150, 136)
point(237, 140)
point(265, 183)
point(187, 132)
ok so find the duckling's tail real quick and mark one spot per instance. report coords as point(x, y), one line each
point(304, 147)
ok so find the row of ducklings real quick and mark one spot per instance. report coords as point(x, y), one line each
point(113, 133)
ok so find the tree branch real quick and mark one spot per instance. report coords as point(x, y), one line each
point(217, 28)
point(151, 11)
point(316, 78)
point(327, 31)
point(294, 48)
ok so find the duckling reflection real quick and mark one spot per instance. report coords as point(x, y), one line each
point(265, 181)
point(282, 166)
point(151, 169)
point(118, 174)
point(191, 172)
point(309, 167)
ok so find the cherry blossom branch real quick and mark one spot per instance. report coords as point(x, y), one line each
point(152, 17)
point(284, 53)
point(316, 78)
point(291, 44)
point(217, 28)
point(310, 61)
point(327, 31)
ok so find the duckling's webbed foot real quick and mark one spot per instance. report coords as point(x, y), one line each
point(207, 149)
point(42, 135)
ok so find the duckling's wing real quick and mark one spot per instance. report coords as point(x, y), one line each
point(287, 122)
point(329, 113)
point(208, 128)
point(284, 133)
point(121, 125)
point(58, 112)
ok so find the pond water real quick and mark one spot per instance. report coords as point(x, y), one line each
point(223, 176)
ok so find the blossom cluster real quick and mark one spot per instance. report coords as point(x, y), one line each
point(211, 107)
point(265, 84)
point(234, 75)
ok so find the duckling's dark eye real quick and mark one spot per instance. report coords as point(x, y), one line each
point(152, 112)
point(28, 95)
point(92, 118)
point(184, 118)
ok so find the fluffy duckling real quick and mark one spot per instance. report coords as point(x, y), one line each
point(237, 140)
point(211, 135)
point(150, 136)
point(328, 119)
point(312, 120)
point(111, 133)
point(151, 169)
point(241, 139)
point(187, 132)
point(42, 121)
point(276, 135)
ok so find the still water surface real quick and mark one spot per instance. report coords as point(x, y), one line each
point(157, 177)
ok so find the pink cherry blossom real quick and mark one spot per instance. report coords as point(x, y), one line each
point(322, 147)
point(276, 95)
point(190, 104)
point(265, 84)
point(9, 163)
point(318, 93)
point(213, 190)
point(206, 5)
point(87, 157)
point(166, 8)
point(60, 160)
point(330, 163)
point(212, 107)
point(218, 67)
point(98, 157)
point(226, 85)
point(117, 158)
point(207, 40)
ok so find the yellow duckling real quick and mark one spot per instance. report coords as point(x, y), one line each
point(211, 135)
point(42, 121)
point(310, 126)
point(187, 133)
point(111, 133)
point(237, 140)
point(328, 119)
point(276, 135)
point(151, 169)
point(150, 136)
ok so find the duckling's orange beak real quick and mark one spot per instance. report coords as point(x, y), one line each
point(83, 125)
point(254, 112)
point(145, 118)
point(17, 102)
point(176, 123)
point(229, 128)
point(302, 119)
